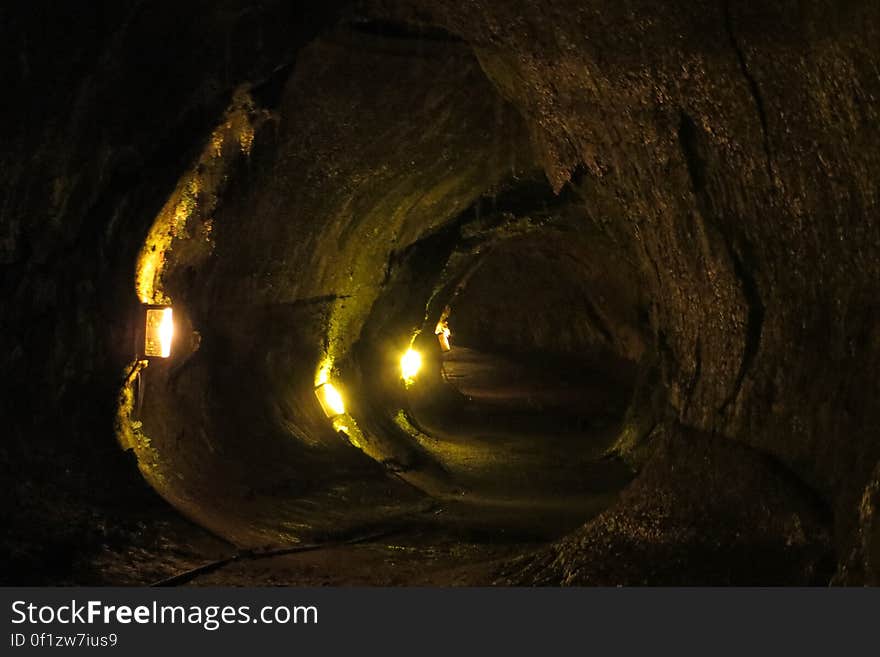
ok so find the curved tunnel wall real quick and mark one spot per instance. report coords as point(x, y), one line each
point(683, 168)
point(711, 156)
point(340, 177)
point(729, 151)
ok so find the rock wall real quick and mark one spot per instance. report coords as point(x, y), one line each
point(729, 149)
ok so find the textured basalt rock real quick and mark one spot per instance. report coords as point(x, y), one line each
point(726, 151)
point(736, 158)
point(750, 523)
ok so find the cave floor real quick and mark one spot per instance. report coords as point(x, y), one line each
point(515, 413)
point(411, 559)
point(501, 381)
point(536, 437)
point(524, 432)
point(449, 546)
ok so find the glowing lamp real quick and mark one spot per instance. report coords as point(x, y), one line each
point(330, 400)
point(410, 364)
point(159, 332)
point(442, 332)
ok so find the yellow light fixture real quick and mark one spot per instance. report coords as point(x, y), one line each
point(443, 333)
point(330, 400)
point(159, 332)
point(410, 364)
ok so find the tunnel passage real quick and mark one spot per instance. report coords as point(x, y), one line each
point(522, 405)
point(231, 429)
point(331, 218)
point(313, 209)
point(548, 333)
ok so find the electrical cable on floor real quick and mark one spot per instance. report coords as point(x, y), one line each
point(250, 555)
point(247, 555)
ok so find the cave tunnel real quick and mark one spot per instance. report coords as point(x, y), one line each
point(532, 293)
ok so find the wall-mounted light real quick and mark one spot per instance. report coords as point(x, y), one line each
point(330, 400)
point(158, 331)
point(410, 364)
point(443, 333)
